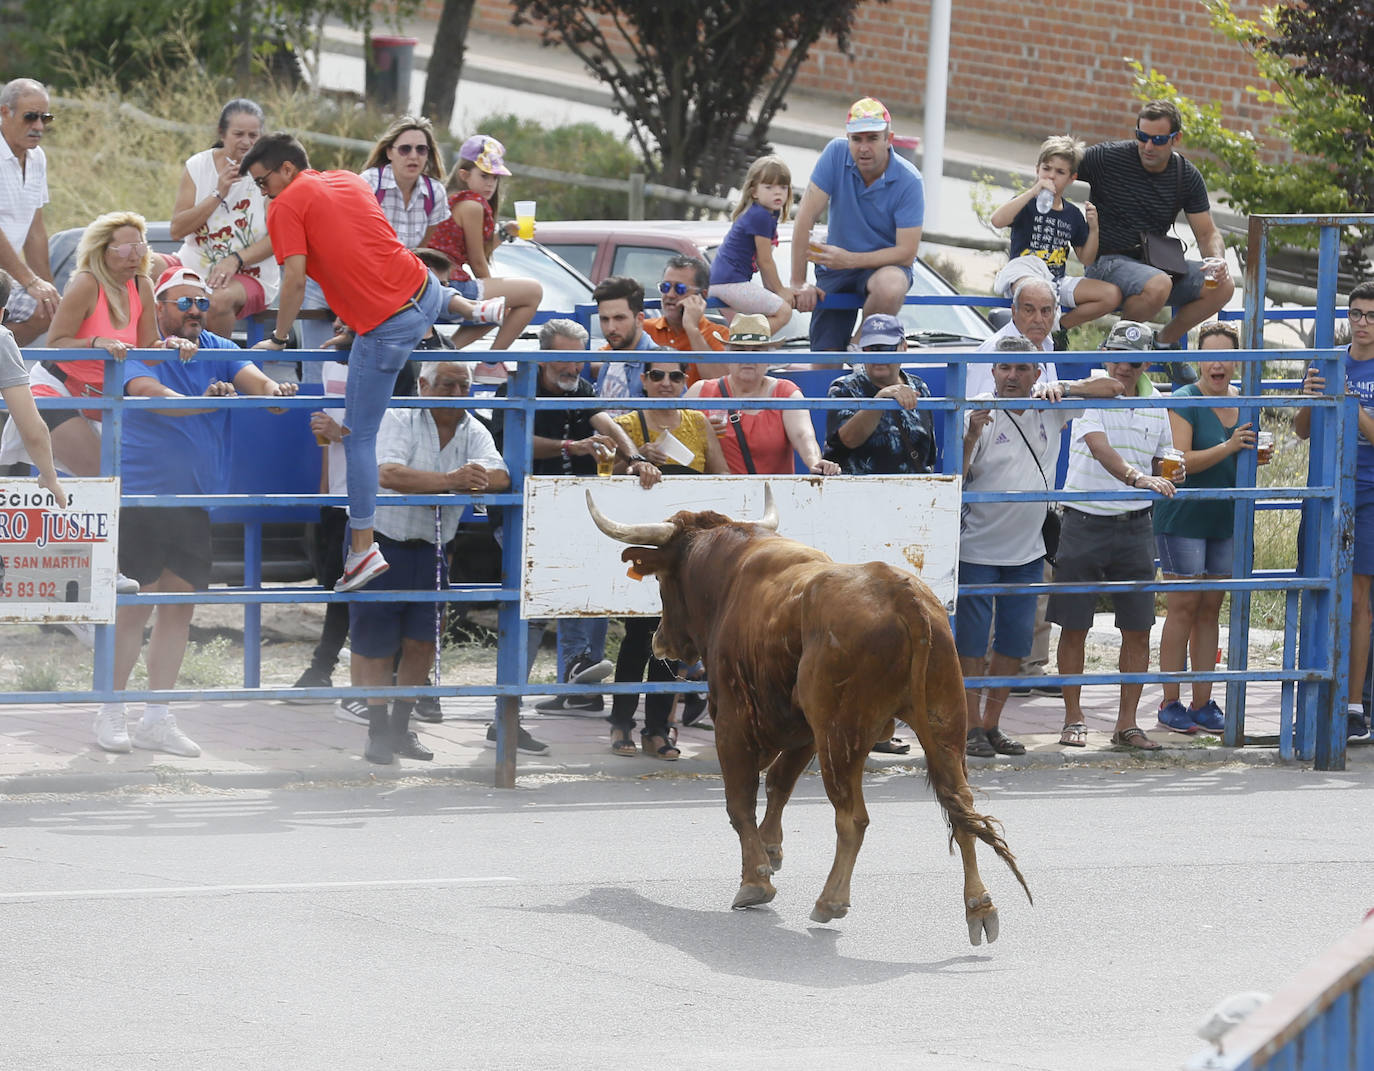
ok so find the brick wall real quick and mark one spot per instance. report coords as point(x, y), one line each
point(1022, 67)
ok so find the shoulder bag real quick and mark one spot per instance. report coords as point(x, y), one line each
point(1049, 530)
point(1164, 251)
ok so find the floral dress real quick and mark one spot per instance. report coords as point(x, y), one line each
point(228, 230)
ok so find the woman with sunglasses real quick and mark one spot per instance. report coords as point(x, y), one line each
point(406, 174)
point(644, 451)
point(221, 217)
point(108, 306)
point(760, 440)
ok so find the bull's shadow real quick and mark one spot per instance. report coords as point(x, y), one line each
point(748, 944)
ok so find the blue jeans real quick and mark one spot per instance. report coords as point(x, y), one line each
point(373, 362)
point(580, 635)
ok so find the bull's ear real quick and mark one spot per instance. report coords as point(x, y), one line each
point(647, 561)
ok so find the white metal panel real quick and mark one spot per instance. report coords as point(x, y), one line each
point(571, 569)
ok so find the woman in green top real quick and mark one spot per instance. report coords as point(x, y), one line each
point(1194, 537)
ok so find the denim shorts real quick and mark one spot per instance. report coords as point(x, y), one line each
point(376, 629)
point(1191, 556)
point(1130, 276)
point(1012, 615)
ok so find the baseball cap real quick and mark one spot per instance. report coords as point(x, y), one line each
point(178, 277)
point(880, 329)
point(867, 114)
point(750, 329)
point(1129, 335)
point(487, 153)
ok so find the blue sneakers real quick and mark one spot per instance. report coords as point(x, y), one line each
point(1209, 717)
point(1175, 716)
point(1355, 727)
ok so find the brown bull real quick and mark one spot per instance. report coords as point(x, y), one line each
point(805, 656)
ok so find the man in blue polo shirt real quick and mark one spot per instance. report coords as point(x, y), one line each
point(180, 450)
point(877, 206)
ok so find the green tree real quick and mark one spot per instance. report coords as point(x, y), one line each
point(687, 74)
point(1328, 126)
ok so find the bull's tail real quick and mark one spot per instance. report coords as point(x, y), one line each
point(945, 769)
point(960, 815)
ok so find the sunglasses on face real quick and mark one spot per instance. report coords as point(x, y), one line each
point(678, 288)
point(422, 149)
point(1154, 139)
point(185, 303)
point(1359, 316)
point(124, 249)
point(33, 117)
point(657, 375)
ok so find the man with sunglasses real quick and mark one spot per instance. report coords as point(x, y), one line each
point(1139, 185)
point(683, 325)
point(183, 450)
point(1112, 540)
point(1359, 381)
point(24, 119)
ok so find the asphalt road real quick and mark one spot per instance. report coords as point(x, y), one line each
point(585, 923)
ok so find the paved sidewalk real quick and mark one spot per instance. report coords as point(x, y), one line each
point(50, 749)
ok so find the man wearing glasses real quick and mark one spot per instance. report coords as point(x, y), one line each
point(683, 325)
point(24, 119)
point(1139, 185)
point(1359, 381)
point(1112, 540)
point(183, 450)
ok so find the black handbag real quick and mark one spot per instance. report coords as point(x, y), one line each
point(1049, 528)
point(1163, 251)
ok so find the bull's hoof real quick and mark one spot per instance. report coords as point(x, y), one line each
point(774, 856)
point(826, 912)
point(977, 927)
point(753, 895)
point(982, 919)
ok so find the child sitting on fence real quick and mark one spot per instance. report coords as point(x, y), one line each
point(748, 247)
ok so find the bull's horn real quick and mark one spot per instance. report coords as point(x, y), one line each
point(653, 534)
point(770, 510)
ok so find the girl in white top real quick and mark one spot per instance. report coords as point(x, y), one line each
point(222, 217)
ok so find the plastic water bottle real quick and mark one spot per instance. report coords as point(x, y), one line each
point(1044, 201)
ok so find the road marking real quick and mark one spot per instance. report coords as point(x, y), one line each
point(226, 890)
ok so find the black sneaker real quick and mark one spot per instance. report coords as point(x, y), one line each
point(1051, 691)
point(427, 709)
point(352, 710)
point(1021, 688)
point(693, 708)
point(379, 750)
point(313, 678)
point(525, 742)
point(579, 705)
point(408, 746)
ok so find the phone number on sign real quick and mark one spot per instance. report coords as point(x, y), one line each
point(28, 589)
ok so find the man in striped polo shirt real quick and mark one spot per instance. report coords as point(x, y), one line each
point(1112, 540)
point(1139, 185)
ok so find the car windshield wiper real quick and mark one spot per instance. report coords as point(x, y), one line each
point(939, 338)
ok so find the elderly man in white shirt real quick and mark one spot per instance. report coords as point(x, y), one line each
point(419, 452)
point(1112, 540)
point(1034, 306)
point(24, 117)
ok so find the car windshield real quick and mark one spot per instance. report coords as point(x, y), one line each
point(564, 289)
point(934, 323)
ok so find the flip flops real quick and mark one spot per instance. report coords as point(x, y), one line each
point(1075, 734)
point(1135, 737)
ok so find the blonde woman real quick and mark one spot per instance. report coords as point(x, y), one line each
point(406, 175)
point(108, 305)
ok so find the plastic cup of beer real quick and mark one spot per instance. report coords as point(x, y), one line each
point(1264, 446)
point(605, 459)
point(1171, 466)
point(524, 218)
point(1211, 272)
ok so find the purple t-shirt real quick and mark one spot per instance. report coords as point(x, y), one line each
point(737, 258)
point(1048, 235)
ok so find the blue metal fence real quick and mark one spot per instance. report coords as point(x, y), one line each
point(1314, 668)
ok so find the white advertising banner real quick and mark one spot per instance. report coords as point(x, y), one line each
point(58, 564)
point(572, 570)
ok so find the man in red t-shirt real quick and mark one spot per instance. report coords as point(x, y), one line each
point(329, 226)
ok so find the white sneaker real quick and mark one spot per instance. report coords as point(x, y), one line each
point(163, 735)
point(111, 731)
point(125, 585)
point(85, 633)
point(360, 568)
